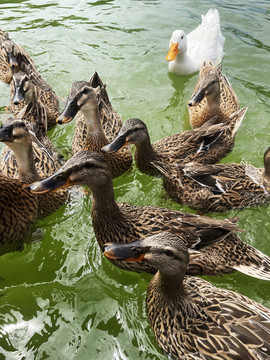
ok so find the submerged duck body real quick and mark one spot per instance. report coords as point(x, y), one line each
point(214, 245)
point(187, 52)
point(191, 318)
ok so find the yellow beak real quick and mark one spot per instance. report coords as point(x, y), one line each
point(172, 52)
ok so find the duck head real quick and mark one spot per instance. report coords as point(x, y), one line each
point(133, 131)
point(81, 97)
point(178, 44)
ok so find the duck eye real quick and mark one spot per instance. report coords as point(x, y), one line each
point(182, 37)
point(169, 253)
point(85, 91)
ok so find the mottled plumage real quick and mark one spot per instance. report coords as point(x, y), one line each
point(17, 137)
point(191, 318)
point(207, 144)
point(18, 209)
point(219, 187)
point(96, 122)
point(213, 96)
point(214, 245)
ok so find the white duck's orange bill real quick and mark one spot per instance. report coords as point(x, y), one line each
point(172, 52)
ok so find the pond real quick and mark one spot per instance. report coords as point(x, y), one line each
point(60, 298)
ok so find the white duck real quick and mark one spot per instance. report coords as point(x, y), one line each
point(187, 52)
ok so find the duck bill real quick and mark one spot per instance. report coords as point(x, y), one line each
point(197, 98)
point(12, 60)
point(172, 52)
point(133, 252)
point(52, 183)
point(19, 95)
point(115, 145)
point(69, 112)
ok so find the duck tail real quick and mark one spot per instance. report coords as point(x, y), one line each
point(236, 119)
point(255, 264)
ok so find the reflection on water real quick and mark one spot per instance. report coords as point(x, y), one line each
point(60, 297)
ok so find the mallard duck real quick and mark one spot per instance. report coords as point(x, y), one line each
point(219, 187)
point(191, 318)
point(207, 144)
point(216, 247)
point(213, 95)
point(18, 209)
point(17, 137)
point(34, 113)
point(83, 99)
point(14, 57)
point(187, 52)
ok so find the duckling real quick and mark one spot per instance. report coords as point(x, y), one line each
point(92, 136)
point(213, 95)
point(34, 113)
point(16, 136)
point(191, 318)
point(219, 187)
point(216, 248)
point(207, 144)
point(18, 209)
point(187, 52)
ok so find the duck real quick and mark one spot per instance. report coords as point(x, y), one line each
point(206, 42)
point(206, 144)
point(190, 317)
point(34, 114)
point(216, 247)
point(92, 120)
point(16, 136)
point(218, 187)
point(18, 208)
point(15, 58)
point(213, 96)
point(12, 55)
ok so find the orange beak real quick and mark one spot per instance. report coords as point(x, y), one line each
point(172, 52)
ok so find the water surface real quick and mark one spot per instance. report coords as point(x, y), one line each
point(60, 298)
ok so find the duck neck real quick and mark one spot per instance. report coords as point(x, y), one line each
point(213, 101)
point(103, 199)
point(95, 131)
point(145, 153)
point(267, 169)
point(25, 160)
point(171, 284)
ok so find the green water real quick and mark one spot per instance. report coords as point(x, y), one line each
point(60, 298)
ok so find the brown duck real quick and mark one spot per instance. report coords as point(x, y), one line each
point(18, 209)
point(207, 144)
point(215, 247)
point(219, 187)
point(93, 135)
point(17, 137)
point(213, 96)
point(191, 318)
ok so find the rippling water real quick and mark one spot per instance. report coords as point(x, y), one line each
point(60, 298)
